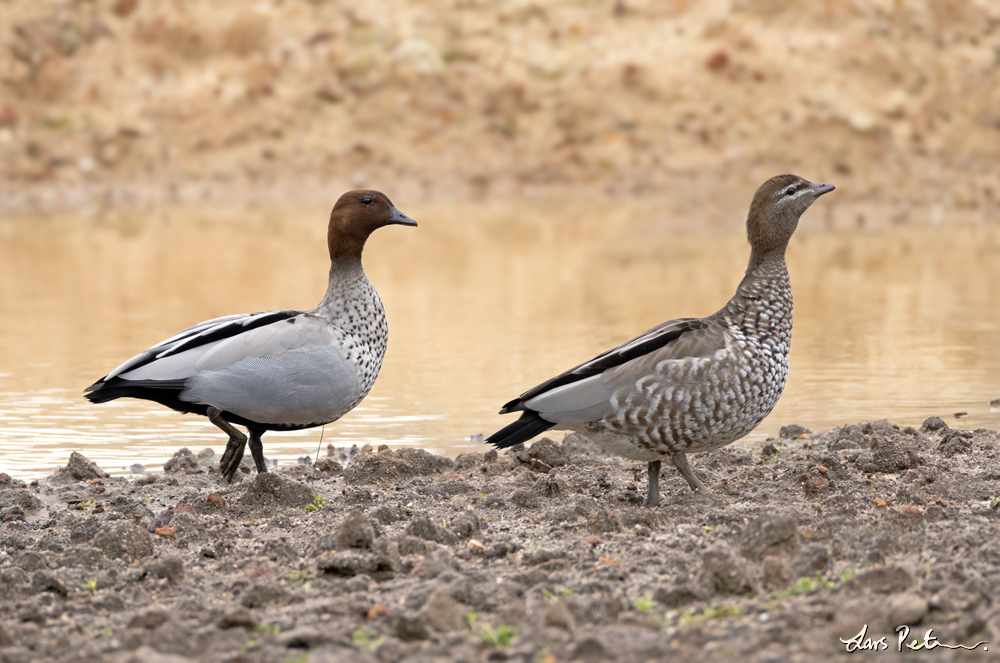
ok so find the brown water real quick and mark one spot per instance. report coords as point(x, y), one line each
point(483, 302)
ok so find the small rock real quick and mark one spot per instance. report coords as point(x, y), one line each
point(678, 595)
point(812, 559)
point(328, 466)
point(793, 431)
point(525, 498)
point(302, 637)
point(18, 500)
point(149, 619)
point(381, 563)
point(776, 573)
point(236, 619)
point(724, 572)
point(393, 466)
point(884, 580)
point(263, 594)
point(557, 615)
point(933, 424)
point(278, 550)
point(465, 525)
point(43, 581)
point(78, 468)
point(955, 442)
point(110, 603)
point(124, 540)
point(410, 628)
point(268, 489)
point(769, 535)
point(170, 567)
point(355, 531)
point(590, 650)
point(441, 612)
point(547, 487)
point(907, 608)
point(424, 528)
point(182, 461)
point(543, 455)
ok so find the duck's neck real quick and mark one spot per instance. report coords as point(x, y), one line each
point(348, 290)
point(763, 300)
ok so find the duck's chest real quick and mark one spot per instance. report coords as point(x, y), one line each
point(361, 334)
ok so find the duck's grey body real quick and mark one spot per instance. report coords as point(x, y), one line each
point(687, 385)
point(280, 370)
point(277, 370)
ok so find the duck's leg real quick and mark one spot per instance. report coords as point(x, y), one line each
point(233, 454)
point(653, 496)
point(257, 448)
point(681, 463)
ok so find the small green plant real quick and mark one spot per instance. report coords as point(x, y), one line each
point(566, 592)
point(90, 586)
point(501, 636)
point(303, 658)
point(548, 594)
point(715, 613)
point(806, 585)
point(773, 458)
point(299, 578)
point(644, 604)
point(270, 628)
point(444, 523)
point(994, 502)
point(318, 503)
point(470, 620)
point(362, 638)
point(106, 633)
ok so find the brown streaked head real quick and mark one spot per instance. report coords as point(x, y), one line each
point(357, 215)
point(776, 208)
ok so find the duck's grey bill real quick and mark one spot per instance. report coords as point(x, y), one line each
point(400, 218)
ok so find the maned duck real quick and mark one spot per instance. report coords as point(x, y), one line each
point(277, 370)
point(687, 385)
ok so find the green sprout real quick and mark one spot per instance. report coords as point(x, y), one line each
point(715, 613)
point(362, 638)
point(644, 604)
point(501, 636)
point(318, 503)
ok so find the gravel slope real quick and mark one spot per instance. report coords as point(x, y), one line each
point(543, 554)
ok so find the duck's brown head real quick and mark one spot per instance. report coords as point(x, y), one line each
point(776, 208)
point(357, 215)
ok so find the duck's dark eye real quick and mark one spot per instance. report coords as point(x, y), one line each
point(790, 191)
point(366, 200)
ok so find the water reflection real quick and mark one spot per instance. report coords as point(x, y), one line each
point(483, 301)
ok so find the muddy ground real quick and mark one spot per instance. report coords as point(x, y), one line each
point(543, 554)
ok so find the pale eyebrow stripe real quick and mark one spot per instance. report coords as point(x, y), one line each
point(798, 191)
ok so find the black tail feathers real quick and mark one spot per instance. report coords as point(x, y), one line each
point(526, 427)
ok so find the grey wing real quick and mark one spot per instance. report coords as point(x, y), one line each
point(176, 357)
point(584, 393)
